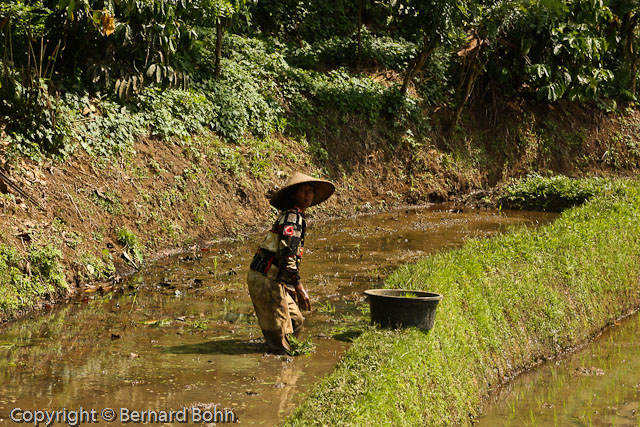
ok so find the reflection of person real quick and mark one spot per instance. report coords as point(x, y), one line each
point(274, 278)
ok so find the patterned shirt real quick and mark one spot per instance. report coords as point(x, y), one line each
point(282, 247)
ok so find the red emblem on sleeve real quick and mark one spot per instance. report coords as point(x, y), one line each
point(288, 230)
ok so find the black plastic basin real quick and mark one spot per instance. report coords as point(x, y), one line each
point(392, 308)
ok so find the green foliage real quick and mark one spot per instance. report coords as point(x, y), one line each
point(129, 43)
point(565, 49)
point(26, 277)
point(174, 112)
point(24, 94)
point(241, 106)
point(435, 83)
point(508, 301)
point(112, 128)
point(381, 51)
point(92, 268)
point(308, 20)
point(436, 21)
point(574, 59)
point(120, 47)
point(108, 201)
point(299, 347)
point(36, 125)
point(555, 193)
point(45, 264)
point(128, 239)
point(153, 67)
point(239, 102)
point(339, 94)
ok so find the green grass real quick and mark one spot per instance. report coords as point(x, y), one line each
point(508, 301)
point(554, 193)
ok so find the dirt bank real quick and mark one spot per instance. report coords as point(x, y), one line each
point(108, 216)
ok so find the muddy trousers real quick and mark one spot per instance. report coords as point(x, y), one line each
point(278, 314)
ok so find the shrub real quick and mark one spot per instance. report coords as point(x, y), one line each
point(26, 277)
point(381, 51)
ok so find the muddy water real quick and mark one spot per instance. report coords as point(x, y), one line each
point(597, 386)
point(182, 332)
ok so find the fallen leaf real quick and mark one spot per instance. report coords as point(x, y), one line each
point(127, 257)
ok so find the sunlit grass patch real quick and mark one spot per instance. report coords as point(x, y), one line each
point(555, 193)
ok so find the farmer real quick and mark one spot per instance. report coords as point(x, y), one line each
point(274, 279)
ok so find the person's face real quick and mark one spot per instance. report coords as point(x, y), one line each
point(303, 196)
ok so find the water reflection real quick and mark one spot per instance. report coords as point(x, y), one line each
point(598, 386)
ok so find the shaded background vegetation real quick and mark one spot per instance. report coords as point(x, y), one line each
point(99, 73)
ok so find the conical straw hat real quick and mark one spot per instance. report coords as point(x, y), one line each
point(281, 199)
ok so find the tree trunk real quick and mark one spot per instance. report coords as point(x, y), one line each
point(634, 55)
point(634, 75)
point(466, 86)
point(629, 23)
point(219, 33)
point(427, 49)
point(360, 30)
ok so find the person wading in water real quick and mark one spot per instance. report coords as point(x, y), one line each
point(274, 279)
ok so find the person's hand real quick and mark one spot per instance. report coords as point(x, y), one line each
point(292, 293)
point(302, 298)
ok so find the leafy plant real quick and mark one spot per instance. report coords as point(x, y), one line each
point(26, 277)
point(92, 268)
point(130, 241)
point(299, 347)
point(109, 201)
point(327, 308)
point(383, 51)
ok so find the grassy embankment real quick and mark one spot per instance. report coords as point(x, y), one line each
point(509, 301)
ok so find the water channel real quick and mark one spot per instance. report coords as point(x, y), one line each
point(181, 333)
point(596, 386)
